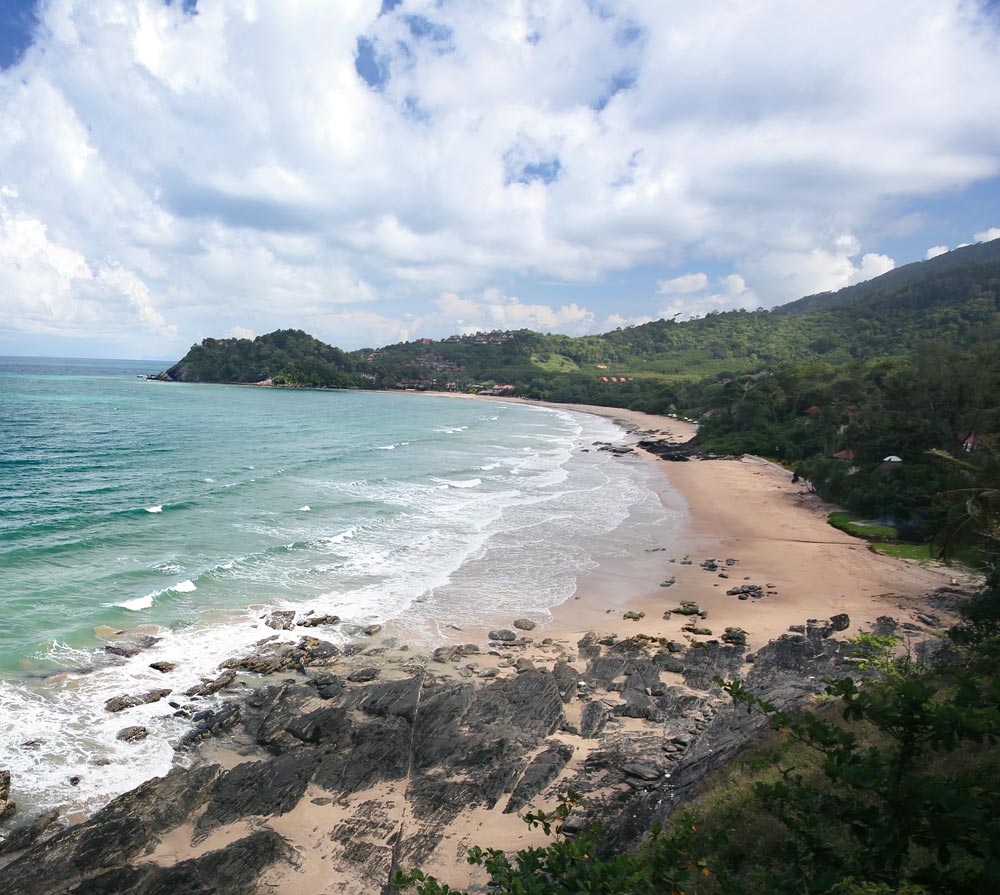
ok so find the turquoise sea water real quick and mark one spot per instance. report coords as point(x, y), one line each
point(186, 511)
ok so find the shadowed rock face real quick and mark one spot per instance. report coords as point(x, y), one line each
point(234, 870)
point(112, 837)
point(408, 756)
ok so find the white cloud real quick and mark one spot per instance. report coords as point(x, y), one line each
point(451, 313)
point(783, 276)
point(240, 332)
point(934, 251)
point(682, 285)
point(987, 235)
point(189, 172)
point(728, 293)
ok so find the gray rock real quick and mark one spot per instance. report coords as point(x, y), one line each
point(25, 836)
point(270, 788)
point(840, 622)
point(735, 636)
point(592, 720)
point(315, 621)
point(233, 870)
point(504, 635)
point(688, 607)
point(445, 654)
point(211, 723)
point(126, 652)
point(363, 675)
point(7, 805)
point(163, 667)
point(588, 646)
point(542, 770)
point(644, 772)
point(111, 838)
point(120, 703)
point(566, 679)
point(132, 734)
point(281, 620)
point(524, 624)
point(371, 630)
point(207, 688)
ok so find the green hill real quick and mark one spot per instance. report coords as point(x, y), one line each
point(658, 366)
point(965, 257)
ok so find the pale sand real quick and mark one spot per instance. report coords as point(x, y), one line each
point(747, 510)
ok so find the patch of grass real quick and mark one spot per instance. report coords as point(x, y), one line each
point(554, 363)
point(870, 531)
point(919, 552)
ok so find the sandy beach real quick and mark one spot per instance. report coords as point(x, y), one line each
point(748, 510)
point(751, 511)
point(746, 515)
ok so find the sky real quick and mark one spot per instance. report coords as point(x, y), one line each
point(380, 170)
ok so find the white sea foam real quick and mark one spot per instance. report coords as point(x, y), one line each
point(460, 483)
point(386, 447)
point(185, 587)
point(305, 509)
point(343, 536)
point(139, 603)
point(209, 480)
point(157, 509)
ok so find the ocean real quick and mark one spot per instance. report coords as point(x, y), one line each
point(188, 511)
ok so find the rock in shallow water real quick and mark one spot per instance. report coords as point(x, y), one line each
point(120, 703)
point(132, 734)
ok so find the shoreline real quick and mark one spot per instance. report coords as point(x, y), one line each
point(749, 510)
point(743, 510)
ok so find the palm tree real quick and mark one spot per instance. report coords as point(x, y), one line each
point(975, 518)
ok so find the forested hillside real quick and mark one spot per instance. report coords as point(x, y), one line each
point(900, 366)
point(966, 257)
point(284, 357)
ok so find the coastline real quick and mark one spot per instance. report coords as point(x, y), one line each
point(745, 510)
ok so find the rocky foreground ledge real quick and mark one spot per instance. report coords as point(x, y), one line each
point(340, 767)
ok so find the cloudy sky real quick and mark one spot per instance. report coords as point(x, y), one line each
point(376, 170)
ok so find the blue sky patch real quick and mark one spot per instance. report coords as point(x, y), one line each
point(545, 170)
point(17, 23)
point(423, 28)
point(373, 69)
point(190, 7)
point(623, 80)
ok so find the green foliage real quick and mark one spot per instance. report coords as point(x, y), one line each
point(870, 531)
point(889, 815)
point(286, 357)
point(919, 552)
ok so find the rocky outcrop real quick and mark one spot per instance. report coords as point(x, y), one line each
point(677, 451)
point(406, 744)
point(234, 870)
point(114, 836)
